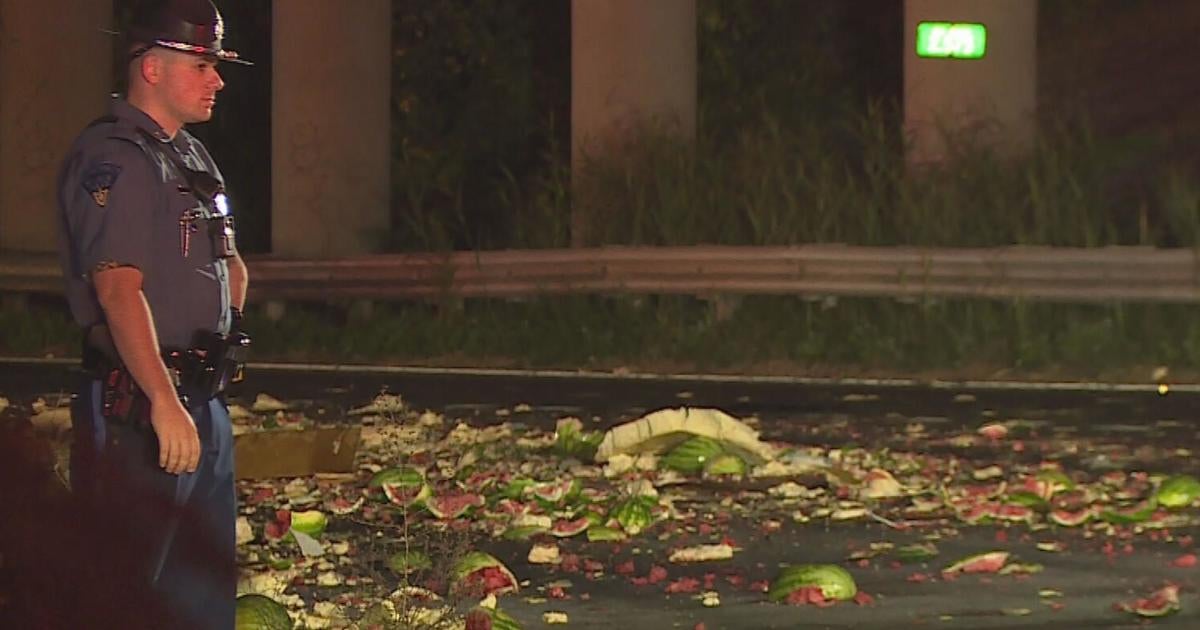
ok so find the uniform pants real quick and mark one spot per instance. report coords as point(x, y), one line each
point(178, 530)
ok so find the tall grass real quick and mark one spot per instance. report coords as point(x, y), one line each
point(772, 184)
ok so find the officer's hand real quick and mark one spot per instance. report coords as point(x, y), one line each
point(178, 442)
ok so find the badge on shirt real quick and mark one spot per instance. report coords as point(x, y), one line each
point(99, 180)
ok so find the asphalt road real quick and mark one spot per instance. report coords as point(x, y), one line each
point(1131, 430)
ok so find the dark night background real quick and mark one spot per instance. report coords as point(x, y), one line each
point(483, 90)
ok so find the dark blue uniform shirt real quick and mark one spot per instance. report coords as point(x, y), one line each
point(123, 201)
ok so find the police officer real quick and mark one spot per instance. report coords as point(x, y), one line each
point(151, 272)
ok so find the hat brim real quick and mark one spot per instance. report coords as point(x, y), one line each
point(220, 54)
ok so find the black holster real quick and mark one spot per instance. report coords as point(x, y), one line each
point(199, 373)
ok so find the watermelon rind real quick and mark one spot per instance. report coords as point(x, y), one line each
point(405, 475)
point(500, 619)
point(725, 464)
point(259, 612)
point(1057, 480)
point(979, 563)
point(916, 552)
point(692, 455)
point(394, 483)
point(310, 522)
point(564, 528)
point(570, 440)
point(477, 561)
point(600, 533)
point(835, 582)
point(1178, 491)
point(405, 562)
point(523, 532)
point(635, 514)
point(516, 488)
point(453, 506)
point(396, 494)
point(1068, 518)
point(1028, 499)
point(552, 493)
point(1137, 513)
point(1161, 603)
point(664, 429)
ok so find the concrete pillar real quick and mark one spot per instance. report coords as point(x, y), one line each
point(995, 95)
point(55, 77)
point(330, 127)
point(632, 61)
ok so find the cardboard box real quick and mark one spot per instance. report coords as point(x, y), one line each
point(292, 453)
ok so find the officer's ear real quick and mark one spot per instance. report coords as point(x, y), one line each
point(150, 67)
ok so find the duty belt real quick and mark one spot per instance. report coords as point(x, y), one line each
point(199, 373)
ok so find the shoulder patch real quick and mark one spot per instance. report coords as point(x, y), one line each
point(99, 180)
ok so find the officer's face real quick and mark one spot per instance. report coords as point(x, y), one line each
point(190, 85)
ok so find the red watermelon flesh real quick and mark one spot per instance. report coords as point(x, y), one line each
point(1162, 602)
point(990, 562)
point(452, 505)
point(563, 527)
point(279, 527)
point(1010, 512)
point(488, 580)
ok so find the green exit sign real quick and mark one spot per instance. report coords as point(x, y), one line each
point(950, 39)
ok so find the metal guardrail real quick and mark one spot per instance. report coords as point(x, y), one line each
point(1130, 274)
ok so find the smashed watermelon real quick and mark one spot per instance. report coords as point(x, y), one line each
point(553, 493)
point(564, 528)
point(480, 574)
point(725, 464)
point(1127, 515)
point(1178, 491)
point(989, 562)
point(404, 486)
point(1160, 603)
point(635, 514)
point(692, 455)
point(1068, 518)
point(405, 562)
point(833, 582)
point(259, 612)
point(448, 506)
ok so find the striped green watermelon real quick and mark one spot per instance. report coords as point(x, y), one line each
point(523, 532)
point(835, 582)
point(484, 618)
point(725, 464)
point(1128, 515)
point(405, 562)
point(259, 612)
point(600, 533)
point(692, 454)
point(1178, 491)
point(404, 486)
point(480, 574)
point(635, 514)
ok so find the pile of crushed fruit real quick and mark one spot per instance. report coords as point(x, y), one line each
point(354, 549)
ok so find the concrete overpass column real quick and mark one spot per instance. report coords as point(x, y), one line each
point(55, 77)
point(632, 61)
point(995, 95)
point(331, 127)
